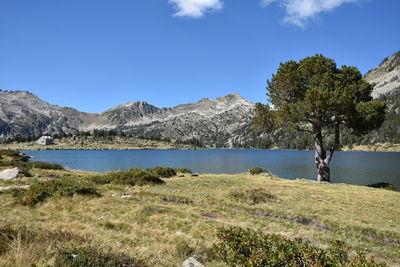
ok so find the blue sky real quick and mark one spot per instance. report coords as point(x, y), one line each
point(95, 54)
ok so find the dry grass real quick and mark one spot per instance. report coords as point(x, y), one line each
point(163, 224)
point(378, 147)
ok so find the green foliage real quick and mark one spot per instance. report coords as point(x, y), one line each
point(240, 247)
point(183, 250)
point(94, 257)
point(257, 170)
point(192, 141)
point(253, 196)
point(12, 155)
point(44, 165)
point(39, 191)
point(315, 92)
point(131, 177)
point(182, 170)
point(389, 132)
point(163, 172)
point(31, 165)
point(386, 186)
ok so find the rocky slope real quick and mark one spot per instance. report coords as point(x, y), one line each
point(385, 77)
point(25, 114)
point(214, 122)
point(210, 120)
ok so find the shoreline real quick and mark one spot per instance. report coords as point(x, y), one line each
point(373, 148)
point(118, 143)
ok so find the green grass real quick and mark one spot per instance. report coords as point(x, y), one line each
point(162, 225)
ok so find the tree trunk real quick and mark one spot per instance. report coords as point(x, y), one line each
point(323, 169)
point(321, 160)
point(323, 157)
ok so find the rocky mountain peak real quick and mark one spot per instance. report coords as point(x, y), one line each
point(385, 77)
point(233, 98)
point(142, 105)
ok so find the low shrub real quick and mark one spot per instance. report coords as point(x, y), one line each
point(146, 178)
point(32, 164)
point(44, 165)
point(199, 251)
point(382, 185)
point(102, 179)
point(182, 170)
point(257, 170)
point(13, 155)
point(131, 177)
point(93, 257)
point(252, 196)
point(184, 250)
point(163, 172)
point(39, 191)
point(240, 247)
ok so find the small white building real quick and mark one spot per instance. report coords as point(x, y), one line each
point(45, 140)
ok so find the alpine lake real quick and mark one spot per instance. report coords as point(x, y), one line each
point(359, 168)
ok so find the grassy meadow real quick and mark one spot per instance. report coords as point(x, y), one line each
point(162, 224)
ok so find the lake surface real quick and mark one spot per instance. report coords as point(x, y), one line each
point(359, 168)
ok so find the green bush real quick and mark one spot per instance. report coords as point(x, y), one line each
point(44, 165)
point(252, 196)
point(131, 177)
point(240, 247)
point(386, 186)
point(39, 191)
point(146, 178)
point(163, 172)
point(93, 257)
point(257, 170)
point(182, 170)
point(13, 155)
point(32, 164)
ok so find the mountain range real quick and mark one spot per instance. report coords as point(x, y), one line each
point(218, 120)
point(221, 122)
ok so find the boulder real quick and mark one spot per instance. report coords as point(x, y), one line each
point(192, 262)
point(9, 174)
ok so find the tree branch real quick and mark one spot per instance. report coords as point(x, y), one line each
point(336, 145)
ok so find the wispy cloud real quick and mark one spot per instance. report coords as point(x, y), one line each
point(300, 12)
point(195, 8)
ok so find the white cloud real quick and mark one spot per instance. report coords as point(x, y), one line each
point(195, 8)
point(299, 12)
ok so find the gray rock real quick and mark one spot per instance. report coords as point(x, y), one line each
point(9, 174)
point(192, 262)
